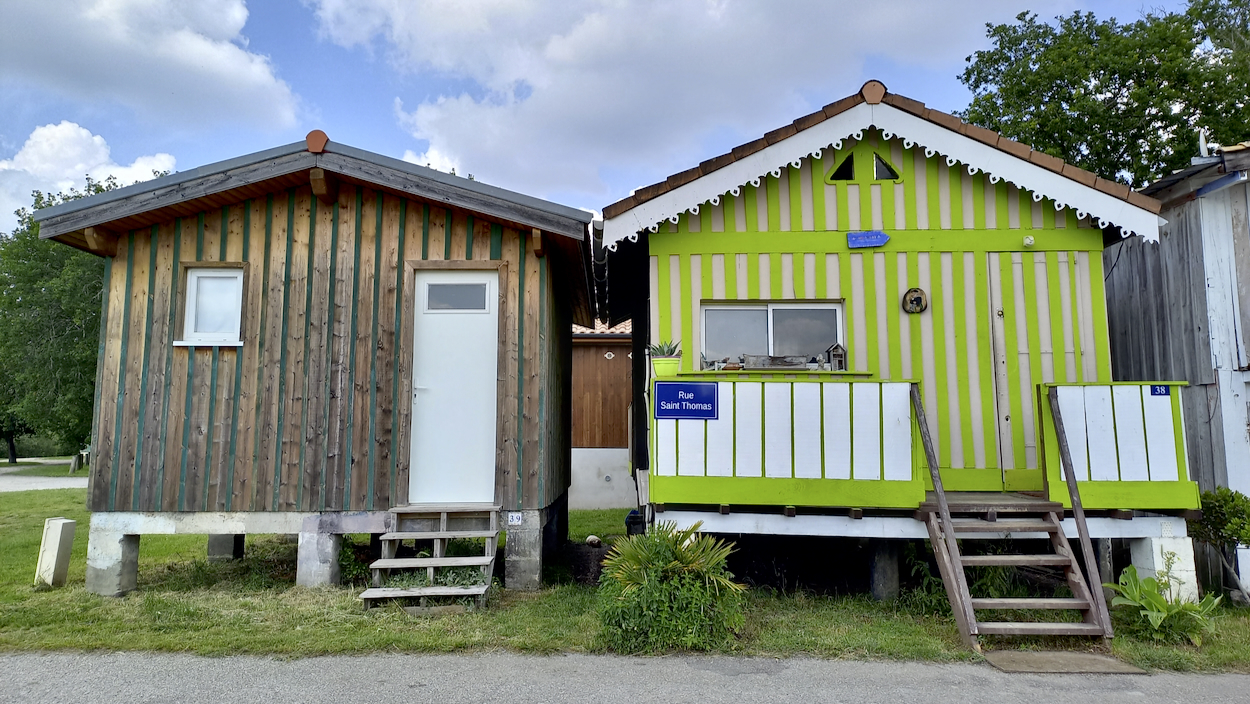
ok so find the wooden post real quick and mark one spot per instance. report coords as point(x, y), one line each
point(1078, 515)
point(537, 235)
point(324, 184)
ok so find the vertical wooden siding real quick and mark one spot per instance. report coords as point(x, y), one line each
point(312, 412)
point(601, 393)
point(947, 231)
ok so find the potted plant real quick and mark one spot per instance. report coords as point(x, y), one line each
point(665, 358)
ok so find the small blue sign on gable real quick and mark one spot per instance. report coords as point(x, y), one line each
point(1160, 390)
point(685, 400)
point(871, 238)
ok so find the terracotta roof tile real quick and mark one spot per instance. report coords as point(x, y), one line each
point(981, 134)
point(719, 162)
point(781, 133)
point(810, 120)
point(1047, 161)
point(1112, 188)
point(946, 120)
point(742, 151)
point(1081, 176)
point(601, 328)
point(902, 102)
point(840, 106)
point(1145, 201)
point(678, 180)
point(1014, 148)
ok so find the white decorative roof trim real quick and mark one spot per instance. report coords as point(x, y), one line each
point(957, 148)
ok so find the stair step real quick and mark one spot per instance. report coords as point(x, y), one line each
point(1029, 560)
point(402, 592)
point(974, 525)
point(439, 534)
point(1029, 603)
point(406, 562)
point(446, 508)
point(1008, 628)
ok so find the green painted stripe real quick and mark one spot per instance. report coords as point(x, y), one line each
point(934, 194)
point(1048, 214)
point(425, 232)
point(731, 275)
point(865, 202)
point(96, 430)
point(308, 300)
point(1026, 209)
point(956, 180)
point(520, 374)
point(690, 354)
point(705, 262)
point(547, 374)
point(941, 391)
point(1073, 287)
point(705, 216)
point(1059, 349)
point(822, 276)
point(1097, 296)
point(771, 491)
point(202, 505)
point(496, 242)
point(468, 237)
point(870, 312)
point(664, 305)
point(1013, 360)
point(399, 327)
point(772, 195)
point(962, 343)
point(892, 315)
point(186, 430)
point(1032, 326)
point(1001, 213)
point(848, 307)
point(448, 223)
point(818, 193)
point(996, 240)
point(796, 198)
point(751, 206)
point(143, 384)
point(727, 201)
point(978, 201)
point(329, 359)
point(120, 411)
point(1178, 432)
point(260, 356)
point(158, 502)
point(907, 171)
point(373, 354)
point(774, 276)
point(238, 372)
point(282, 370)
point(985, 358)
point(351, 355)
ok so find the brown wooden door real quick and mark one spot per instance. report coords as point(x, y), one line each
point(601, 393)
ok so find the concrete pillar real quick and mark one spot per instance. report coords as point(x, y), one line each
point(523, 556)
point(54, 551)
point(225, 547)
point(884, 569)
point(1106, 570)
point(1149, 559)
point(112, 562)
point(317, 562)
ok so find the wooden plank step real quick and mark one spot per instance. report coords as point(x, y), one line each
point(439, 534)
point(445, 508)
point(974, 525)
point(1029, 560)
point(404, 592)
point(1008, 628)
point(1029, 603)
point(406, 562)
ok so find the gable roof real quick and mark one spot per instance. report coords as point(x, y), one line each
point(1110, 202)
point(208, 186)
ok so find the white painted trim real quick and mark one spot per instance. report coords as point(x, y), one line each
point(812, 141)
point(901, 527)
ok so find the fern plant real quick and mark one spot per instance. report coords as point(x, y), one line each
point(669, 589)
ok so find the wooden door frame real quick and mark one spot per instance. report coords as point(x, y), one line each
point(501, 375)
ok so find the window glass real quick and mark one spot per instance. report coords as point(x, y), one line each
point(218, 300)
point(883, 171)
point(456, 297)
point(845, 170)
point(804, 331)
point(733, 332)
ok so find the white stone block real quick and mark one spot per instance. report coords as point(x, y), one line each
point(1150, 558)
point(54, 551)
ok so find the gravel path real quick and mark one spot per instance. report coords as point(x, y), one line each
point(8, 482)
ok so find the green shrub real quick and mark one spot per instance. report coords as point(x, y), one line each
point(1158, 614)
point(668, 589)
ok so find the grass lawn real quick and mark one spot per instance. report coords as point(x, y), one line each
point(185, 604)
point(33, 469)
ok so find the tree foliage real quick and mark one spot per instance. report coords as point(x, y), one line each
point(1121, 100)
point(49, 327)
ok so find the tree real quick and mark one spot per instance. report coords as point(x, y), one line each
point(49, 328)
point(1121, 100)
point(11, 425)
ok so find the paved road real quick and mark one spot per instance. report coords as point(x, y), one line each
point(136, 678)
point(13, 483)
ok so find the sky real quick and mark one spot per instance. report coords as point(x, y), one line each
point(575, 101)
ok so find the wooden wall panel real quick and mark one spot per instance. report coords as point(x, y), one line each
point(601, 393)
point(313, 411)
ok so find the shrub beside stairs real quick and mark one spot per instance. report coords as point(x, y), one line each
point(435, 524)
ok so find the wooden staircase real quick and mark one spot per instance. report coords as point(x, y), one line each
point(436, 524)
point(990, 515)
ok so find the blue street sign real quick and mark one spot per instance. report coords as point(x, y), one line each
point(1160, 390)
point(685, 400)
point(871, 238)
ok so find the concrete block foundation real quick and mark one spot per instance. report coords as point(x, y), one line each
point(884, 570)
point(222, 548)
point(1150, 556)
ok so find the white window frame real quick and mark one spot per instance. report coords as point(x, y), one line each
point(190, 338)
point(425, 303)
point(770, 307)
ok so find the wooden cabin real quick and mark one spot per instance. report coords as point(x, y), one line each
point(1179, 308)
point(814, 277)
point(316, 339)
point(602, 391)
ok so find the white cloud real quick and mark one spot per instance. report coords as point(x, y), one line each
point(58, 157)
point(568, 91)
point(186, 61)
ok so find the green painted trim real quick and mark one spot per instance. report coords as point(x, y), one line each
point(238, 371)
point(329, 360)
point(915, 334)
point(961, 345)
point(373, 355)
point(1002, 214)
point(1059, 352)
point(496, 242)
point(705, 216)
point(954, 177)
point(1026, 210)
point(308, 299)
point(731, 275)
point(1178, 430)
point(1023, 480)
point(774, 275)
point(769, 491)
point(1007, 284)
point(286, 308)
point(819, 216)
point(870, 312)
point(664, 305)
point(351, 355)
point(690, 354)
point(186, 430)
point(1048, 214)
point(1098, 301)
point(143, 384)
point(120, 410)
point(1140, 495)
point(934, 194)
point(888, 221)
point(996, 240)
point(985, 359)
point(260, 353)
point(544, 367)
point(399, 328)
point(448, 222)
point(822, 277)
point(772, 195)
point(159, 494)
point(796, 197)
point(907, 172)
point(941, 389)
point(751, 206)
point(212, 419)
point(848, 309)
point(1073, 302)
point(520, 375)
point(425, 232)
point(978, 201)
point(967, 479)
point(468, 238)
point(753, 278)
point(1031, 328)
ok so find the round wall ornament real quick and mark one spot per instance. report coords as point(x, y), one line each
point(915, 301)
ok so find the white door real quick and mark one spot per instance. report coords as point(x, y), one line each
point(455, 366)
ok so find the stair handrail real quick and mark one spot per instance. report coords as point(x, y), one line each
point(1078, 515)
point(944, 510)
